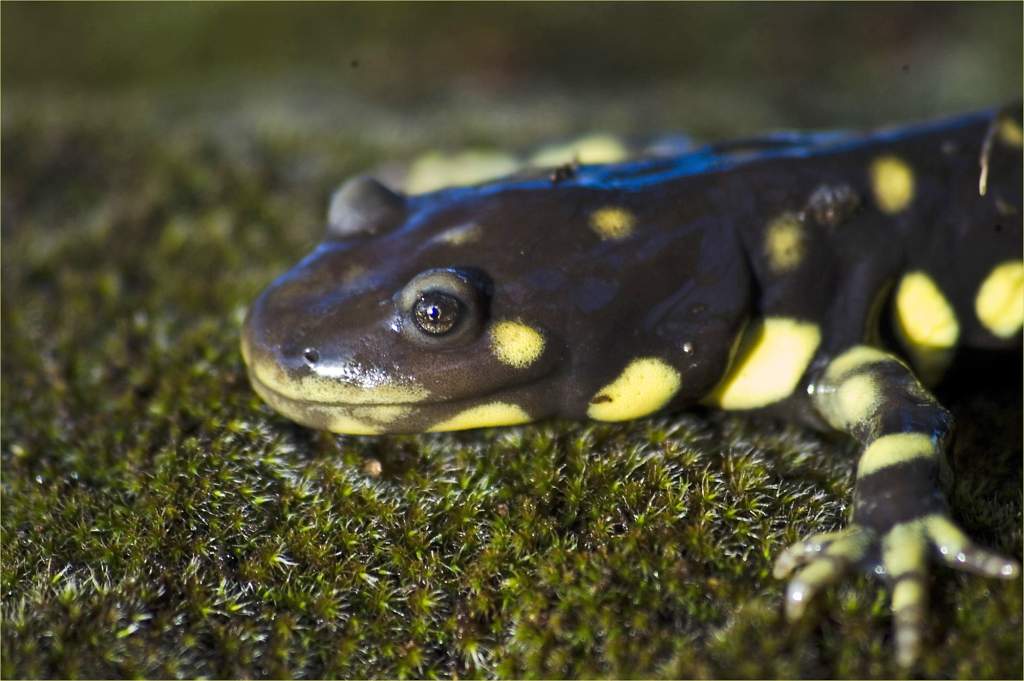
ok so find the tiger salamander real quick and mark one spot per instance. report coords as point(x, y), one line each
point(826, 278)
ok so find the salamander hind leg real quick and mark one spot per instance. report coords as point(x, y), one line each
point(900, 515)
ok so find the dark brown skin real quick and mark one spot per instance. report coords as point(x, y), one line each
point(766, 274)
point(544, 265)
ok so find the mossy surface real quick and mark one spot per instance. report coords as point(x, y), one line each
point(158, 520)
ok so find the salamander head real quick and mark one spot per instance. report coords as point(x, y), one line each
point(394, 323)
point(499, 304)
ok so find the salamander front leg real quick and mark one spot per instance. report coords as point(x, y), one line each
point(900, 514)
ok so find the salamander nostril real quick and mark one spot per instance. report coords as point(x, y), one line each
point(311, 356)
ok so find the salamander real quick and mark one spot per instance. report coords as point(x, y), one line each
point(824, 278)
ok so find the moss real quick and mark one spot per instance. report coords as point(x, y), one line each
point(159, 520)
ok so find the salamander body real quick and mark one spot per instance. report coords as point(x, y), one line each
point(824, 278)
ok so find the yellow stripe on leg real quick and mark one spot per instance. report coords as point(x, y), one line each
point(903, 549)
point(856, 399)
point(890, 450)
point(854, 358)
point(908, 610)
point(903, 555)
point(907, 594)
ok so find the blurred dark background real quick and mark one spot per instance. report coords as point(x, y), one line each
point(715, 67)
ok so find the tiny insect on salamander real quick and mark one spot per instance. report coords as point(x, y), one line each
point(781, 274)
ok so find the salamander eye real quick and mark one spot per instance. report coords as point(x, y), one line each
point(437, 313)
point(443, 307)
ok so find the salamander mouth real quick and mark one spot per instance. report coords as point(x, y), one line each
point(262, 387)
point(342, 417)
point(386, 417)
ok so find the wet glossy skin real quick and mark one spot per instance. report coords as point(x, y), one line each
point(778, 274)
point(540, 264)
point(679, 287)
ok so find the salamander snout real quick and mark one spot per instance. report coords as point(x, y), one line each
point(272, 342)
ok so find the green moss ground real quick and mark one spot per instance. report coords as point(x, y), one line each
point(159, 520)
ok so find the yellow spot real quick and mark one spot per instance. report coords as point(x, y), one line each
point(644, 386)
point(341, 423)
point(892, 182)
point(1010, 132)
point(612, 222)
point(435, 170)
point(590, 149)
point(773, 356)
point(484, 416)
point(854, 358)
point(516, 344)
point(784, 243)
point(461, 235)
point(926, 324)
point(890, 450)
point(1000, 301)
